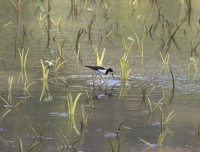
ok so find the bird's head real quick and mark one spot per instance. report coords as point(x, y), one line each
point(109, 70)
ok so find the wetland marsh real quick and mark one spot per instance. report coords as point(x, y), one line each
point(49, 101)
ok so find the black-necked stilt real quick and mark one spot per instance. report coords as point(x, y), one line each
point(100, 70)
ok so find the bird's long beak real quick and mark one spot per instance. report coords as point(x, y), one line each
point(113, 76)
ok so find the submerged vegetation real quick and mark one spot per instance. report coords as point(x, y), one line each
point(44, 46)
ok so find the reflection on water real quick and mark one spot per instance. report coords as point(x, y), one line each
point(153, 37)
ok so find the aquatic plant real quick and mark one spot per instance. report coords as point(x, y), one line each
point(80, 32)
point(169, 117)
point(4, 52)
point(165, 61)
point(182, 2)
point(166, 95)
point(126, 47)
point(90, 27)
point(41, 17)
point(58, 23)
point(48, 36)
point(124, 74)
point(41, 130)
point(45, 71)
point(10, 81)
point(193, 49)
point(71, 105)
point(23, 59)
point(162, 134)
point(172, 37)
point(173, 88)
point(84, 119)
point(21, 149)
point(162, 45)
point(99, 61)
point(120, 128)
point(45, 88)
point(62, 138)
point(6, 111)
point(150, 108)
point(112, 145)
point(71, 125)
point(124, 65)
point(197, 128)
point(90, 98)
point(109, 34)
point(120, 143)
point(58, 65)
point(143, 94)
point(60, 51)
point(26, 89)
point(20, 145)
point(140, 47)
point(134, 4)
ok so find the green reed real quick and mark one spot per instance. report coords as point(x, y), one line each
point(172, 36)
point(124, 65)
point(90, 98)
point(84, 119)
point(99, 61)
point(71, 105)
point(162, 134)
point(6, 111)
point(162, 122)
point(21, 149)
point(173, 88)
point(41, 130)
point(26, 90)
point(140, 46)
point(58, 23)
point(10, 81)
point(190, 4)
point(124, 74)
point(62, 138)
point(150, 108)
point(165, 60)
point(45, 71)
point(126, 47)
point(166, 95)
point(4, 52)
point(197, 128)
point(80, 32)
point(58, 65)
point(90, 26)
point(143, 94)
point(109, 34)
point(60, 51)
point(161, 37)
point(120, 143)
point(23, 58)
point(182, 2)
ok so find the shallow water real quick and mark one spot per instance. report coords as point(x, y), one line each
point(110, 109)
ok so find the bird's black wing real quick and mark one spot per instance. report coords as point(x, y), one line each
point(95, 67)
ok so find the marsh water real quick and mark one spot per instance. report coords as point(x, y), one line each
point(41, 105)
